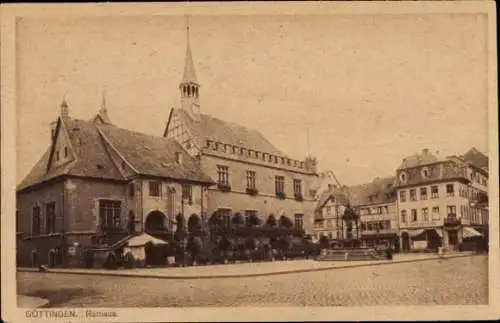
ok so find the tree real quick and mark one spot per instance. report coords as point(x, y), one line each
point(324, 242)
point(193, 246)
point(254, 220)
point(194, 224)
point(271, 221)
point(284, 245)
point(224, 245)
point(179, 220)
point(237, 220)
point(215, 221)
point(285, 222)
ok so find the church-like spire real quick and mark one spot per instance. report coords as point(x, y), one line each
point(189, 75)
point(103, 102)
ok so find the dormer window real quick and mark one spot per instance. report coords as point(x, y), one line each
point(235, 150)
point(271, 158)
point(426, 173)
point(403, 177)
point(243, 151)
point(208, 143)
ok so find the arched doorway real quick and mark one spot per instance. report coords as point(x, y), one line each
point(52, 258)
point(285, 222)
point(405, 237)
point(156, 221)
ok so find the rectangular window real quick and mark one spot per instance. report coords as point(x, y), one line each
point(35, 223)
point(222, 175)
point(423, 193)
point(154, 188)
point(250, 179)
point(328, 210)
point(51, 217)
point(452, 210)
point(413, 194)
point(388, 224)
point(65, 152)
point(402, 196)
point(450, 191)
point(110, 214)
point(425, 214)
point(403, 216)
point(279, 185)
point(414, 217)
point(297, 187)
point(434, 192)
point(369, 226)
point(131, 190)
point(187, 193)
point(386, 209)
point(299, 221)
point(57, 155)
point(435, 213)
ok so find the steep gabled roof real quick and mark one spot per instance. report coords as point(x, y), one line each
point(91, 158)
point(424, 158)
point(210, 128)
point(91, 142)
point(152, 155)
point(476, 158)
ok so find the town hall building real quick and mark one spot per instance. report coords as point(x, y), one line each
point(253, 177)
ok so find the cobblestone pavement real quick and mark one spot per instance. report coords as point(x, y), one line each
point(458, 281)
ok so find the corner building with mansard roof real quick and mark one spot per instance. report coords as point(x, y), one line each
point(253, 177)
point(442, 202)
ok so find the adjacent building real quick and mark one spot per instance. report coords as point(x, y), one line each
point(252, 176)
point(98, 182)
point(374, 202)
point(438, 200)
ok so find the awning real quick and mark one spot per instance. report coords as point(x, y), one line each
point(143, 239)
point(469, 232)
point(414, 233)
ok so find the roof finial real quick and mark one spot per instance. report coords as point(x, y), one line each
point(103, 101)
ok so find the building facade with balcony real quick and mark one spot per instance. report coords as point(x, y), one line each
point(252, 176)
point(98, 183)
point(437, 201)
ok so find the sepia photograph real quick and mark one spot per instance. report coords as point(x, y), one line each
point(190, 156)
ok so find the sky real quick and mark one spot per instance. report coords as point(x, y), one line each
point(369, 89)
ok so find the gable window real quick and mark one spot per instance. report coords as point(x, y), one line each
point(403, 216)
point(425, 214)
point(51, 217)
point(35, 223)
point(154, 188)
point(187, 193)
point(297, 187)
point(413, 194)
point(279, 183)
point(450, 190)
point(250, 179)
point(423, 193)
point(110, 215)
point(299, 221)
point(434, 192)
point(65, 152)
point(223, 175)
point(402, 196)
